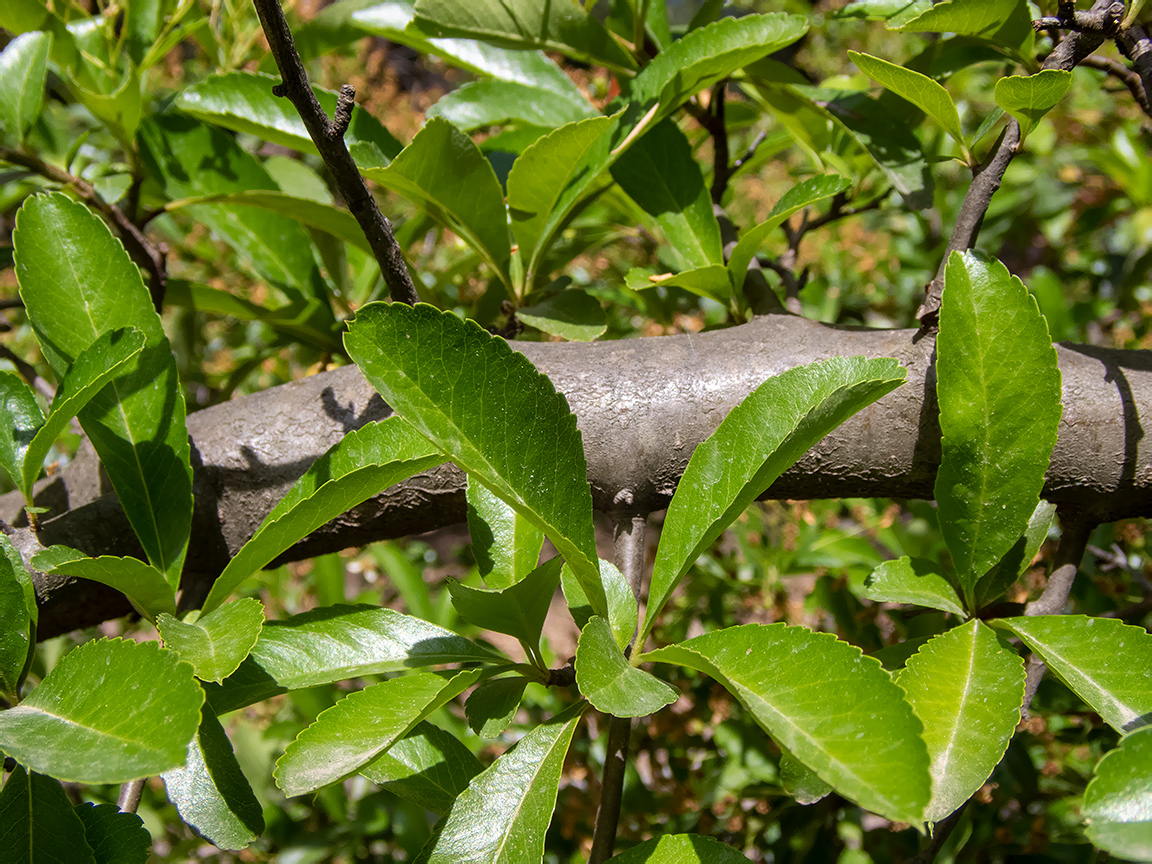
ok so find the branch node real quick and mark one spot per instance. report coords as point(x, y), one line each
point(280, 90)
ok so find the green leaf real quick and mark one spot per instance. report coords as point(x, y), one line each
point(661, 175)
point(427, 766)
point(1004, 22)
point(315, 214)
point(711, 54)
point(1117, 804)
point(758, 440)
point(488, 408)
point(1029, 97)
point(243, 102)
point(18, 613)
point(803, 194)
point(217, 643)
point(711, 282)
point(504, 812)
point(572, 314)
point(506, 546)
point(20, 420)
point(445, 173)
point(363, 463)
point(680, 849)
point(1103, 661)
point(869, 748)
point(395, 20)
point(562, 25)
point(334, 643)
point(77, 283)
point(116, 837)
point(1017, 559)
point(518, 610)
point(999, 393)
point(800, 781)
point(491, 102)
point(609, 682)
point(141, 583)
point(38, 823)
point(912, 580)
point(623, 611)
point(492, 706)
point(23, 73)
point(94, 367)
point(551, 176)
point(359, 727)
point(210, 791)
point(110, 711)
point(967, 690)
point(918, 89)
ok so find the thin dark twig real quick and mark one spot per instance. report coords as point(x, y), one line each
point(151, 256)
point(1069, 554)
point(1102, 19)
point(989, 176)
point(329, 141)
point(941, 831)
point(718, 128)
point(1128, 77)
point(752, 148)
point(129, 798)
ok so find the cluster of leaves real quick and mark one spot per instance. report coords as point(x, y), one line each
point(911, 738)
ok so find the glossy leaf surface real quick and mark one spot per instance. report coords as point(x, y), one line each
point(216, 643)
point(623, 611)
point(23, 73)
point(518, 610)
point(999, 392)
point(492, 705)
point(38, 823)
point(445, 173)
point(141, 583)
point(572, 314)
point(1017, 559)
point(918, 89)
point(20, 418)
point(1029, 97)
point(110, 711)
point(427, 766)
point(967, 690)
point(758, 440)
point(363, 463)
point(912, 580)
point(210, 791)
point(849, 723)
point(609, 682)
point(506, 545)
point(1118, 802)
point(77, 283)
point(18, 613)
point(492, 103)
point(1105, 662)
point(488, 408)
point(660, 174)
point(504, 812)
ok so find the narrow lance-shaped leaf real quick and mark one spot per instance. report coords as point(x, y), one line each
point(110, 711)
point(1118, 802)
point(488, 408)
point(37, 821)
point(967, 690)
point(20, 419)
point(572, 314)
point(623, 610)
point(363, 463)
point(444, 172)
point(335, 643)
point(912, 580)
point(478, 104)
point(1006, 23)
point(1105, 662)
point(610, 682)
point(18, 614)
point(999, 391)
point(918, 89)
point(518, 610)
point(210, 791)
point(77, 283)
point(216, 643)
point(95, 366)
point(23, 73)
point(359, 727)
point(1029, 97)
point(428, 766)
point(502, 816)
point(832, 708)
point(141, 583)
point(758, 440)
point(802, 195)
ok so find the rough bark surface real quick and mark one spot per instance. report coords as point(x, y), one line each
point(642, 405)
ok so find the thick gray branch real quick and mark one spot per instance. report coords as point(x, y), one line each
point(643, 407)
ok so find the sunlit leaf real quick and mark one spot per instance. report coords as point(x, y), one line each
point(215, 644)
point(609, 682)
point(141, 583)
point(506, 546)
point(23, 73)
point(1118, 802)
point(1029, 97)
point(428, 766)
point(918, 89)
point(912, 580)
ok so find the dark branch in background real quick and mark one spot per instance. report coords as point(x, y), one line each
point(1128, 77)
point(1103, 19)
point(329, 140)
point(1134, 44)
point(718, 129)
point(151, 256)
point(988, 177)
point(1069, 554)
